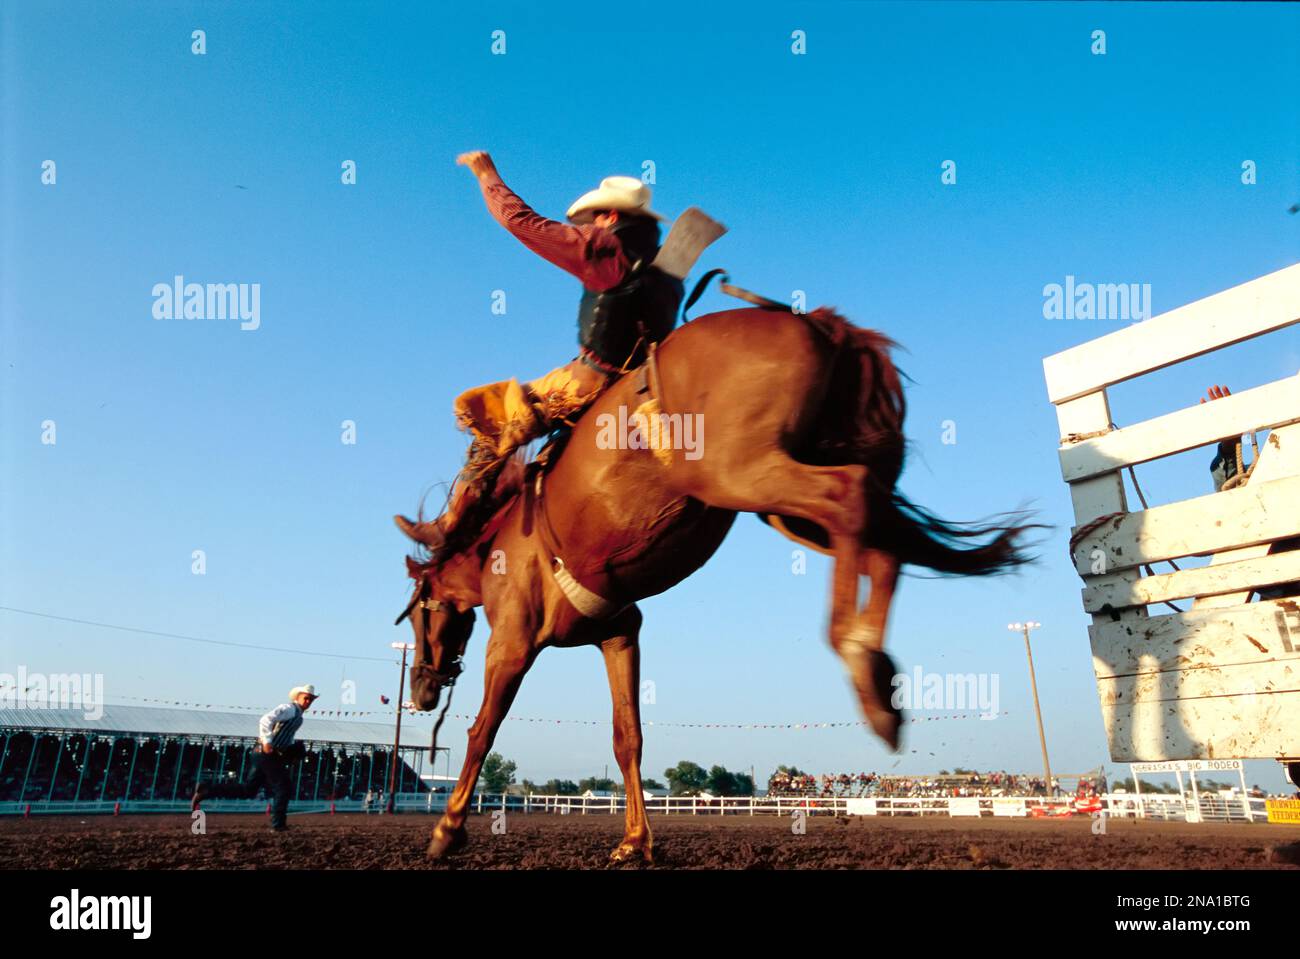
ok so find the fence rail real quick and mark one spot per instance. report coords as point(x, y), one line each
point(1212, 678)
point(1127, 805)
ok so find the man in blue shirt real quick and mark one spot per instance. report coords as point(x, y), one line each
point(276, 753)
point(1224, 468)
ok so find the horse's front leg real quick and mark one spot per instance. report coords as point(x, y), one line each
point(509, 656)
point(623, 664)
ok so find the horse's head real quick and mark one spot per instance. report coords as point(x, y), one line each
point(442, 631)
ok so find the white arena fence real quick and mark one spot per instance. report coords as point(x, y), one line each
point(1156, 806)
point(1213, 678)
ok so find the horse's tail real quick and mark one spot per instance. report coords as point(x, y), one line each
point(862, 422)
point(918, 537)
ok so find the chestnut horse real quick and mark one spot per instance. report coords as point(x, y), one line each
point(804, 418)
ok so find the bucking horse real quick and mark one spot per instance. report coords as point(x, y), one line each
point(803, 425)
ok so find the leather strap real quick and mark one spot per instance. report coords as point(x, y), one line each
point(700, 288)
point(736, 291)
point(589, 604)
point(754, 298)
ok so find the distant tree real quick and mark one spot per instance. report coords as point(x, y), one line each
point(724, 783)
point(561, 787)
point(651, 784)
point(742, 784)
point(720, 782)
point(498, 773)
point(686, 778)
point(790, 771)
point(596, 784)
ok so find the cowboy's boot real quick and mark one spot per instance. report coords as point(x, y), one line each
point(429, 533)
point(524, 428)
point(476, 497)
point(435, 533)
point(502, 418)
point(473, 483)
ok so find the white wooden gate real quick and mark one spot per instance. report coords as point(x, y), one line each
point(1223, 678)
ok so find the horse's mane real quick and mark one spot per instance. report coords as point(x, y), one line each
point(864, 407)
point(509, 482)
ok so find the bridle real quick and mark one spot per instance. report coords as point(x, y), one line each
point(443, 678)
point(456, 667)
point(429, 606)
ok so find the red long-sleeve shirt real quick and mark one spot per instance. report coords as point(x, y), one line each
point(591, 253)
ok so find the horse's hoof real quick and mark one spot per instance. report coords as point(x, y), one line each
point(886, 725)
point(885, 718)
point(627, 852)
point(446, 841)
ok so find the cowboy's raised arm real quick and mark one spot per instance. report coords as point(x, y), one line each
point(590, 253)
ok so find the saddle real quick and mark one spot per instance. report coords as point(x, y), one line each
point(516, 475)
point(527, 477)
point(522, 476)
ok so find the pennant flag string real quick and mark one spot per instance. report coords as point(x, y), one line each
point(411, 711)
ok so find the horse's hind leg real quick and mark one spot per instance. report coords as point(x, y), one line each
point(835, 498)
point(882, 569)
point(831, 496)
point(862, 648)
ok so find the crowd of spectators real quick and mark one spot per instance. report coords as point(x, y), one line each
point(1001, 783)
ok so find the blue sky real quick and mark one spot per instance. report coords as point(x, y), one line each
point(375, 307)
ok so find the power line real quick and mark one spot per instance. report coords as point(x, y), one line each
point(195, 639)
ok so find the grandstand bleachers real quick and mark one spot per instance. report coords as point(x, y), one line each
point(150, 753)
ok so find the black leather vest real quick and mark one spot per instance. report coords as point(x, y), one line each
point(608, 320)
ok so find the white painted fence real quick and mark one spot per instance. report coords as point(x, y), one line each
point(1222, 679)
point(1146, 806)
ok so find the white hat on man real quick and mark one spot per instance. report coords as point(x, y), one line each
point(626, 194)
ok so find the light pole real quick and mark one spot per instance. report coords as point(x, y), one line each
point(1033, 684)
point(390, 806)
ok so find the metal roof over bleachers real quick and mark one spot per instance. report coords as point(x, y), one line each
point(155, 720)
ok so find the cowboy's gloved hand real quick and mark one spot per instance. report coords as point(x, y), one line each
point(478, 161)
point(1227, 448)
point(1217, 393)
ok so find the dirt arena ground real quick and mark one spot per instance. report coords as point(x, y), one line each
point(681, 842)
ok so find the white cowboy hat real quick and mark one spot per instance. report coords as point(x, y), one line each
point(626, 194)
point(309, 689)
